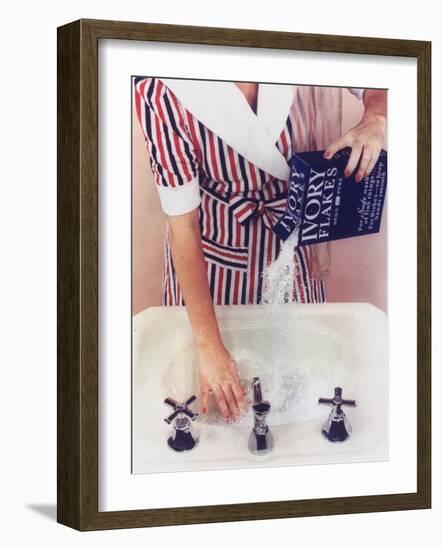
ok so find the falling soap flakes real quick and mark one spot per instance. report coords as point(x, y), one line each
point(279, 276)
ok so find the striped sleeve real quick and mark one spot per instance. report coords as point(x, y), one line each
point(172, 155)
point(358, 92)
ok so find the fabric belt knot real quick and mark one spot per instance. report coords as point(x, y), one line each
point(269, 209)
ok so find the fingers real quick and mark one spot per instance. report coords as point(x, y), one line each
point(374, 159)
point(204, 390)
point(354, 159)
point(221, 402)
point(363, 165)
point(236, 387)
point(230, 399)
point(226, 387)
point(231, 402)
point(336, 146)
point(368, 160)
point(225, 399)
point(238, 394)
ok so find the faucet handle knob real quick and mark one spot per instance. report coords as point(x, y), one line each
point(169, 401)
point(191, 399)
point(180, 408)
point(337, 399)
point(171, 417)
point(183, 436)
point(337, 428)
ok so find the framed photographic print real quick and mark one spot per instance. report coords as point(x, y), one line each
point(243, 275)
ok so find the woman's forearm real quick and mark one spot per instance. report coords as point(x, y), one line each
point(218, 372)
point(191, 269)
point(375, 103)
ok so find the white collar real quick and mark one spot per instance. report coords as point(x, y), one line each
point(222, 107)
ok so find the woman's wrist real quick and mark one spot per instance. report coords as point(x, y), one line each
point(375, 105)
point(375, 116)
point(205, 340)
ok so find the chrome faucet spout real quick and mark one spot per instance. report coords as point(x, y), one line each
point(257, 393)
point(261, 439)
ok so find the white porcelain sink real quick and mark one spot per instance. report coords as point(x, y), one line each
point(299, 352)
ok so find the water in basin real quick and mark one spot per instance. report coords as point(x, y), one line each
point(296, 363)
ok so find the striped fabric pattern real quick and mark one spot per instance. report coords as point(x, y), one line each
point(239, 202)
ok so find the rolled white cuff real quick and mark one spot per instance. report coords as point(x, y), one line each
point(358, 92)
point(180, 200)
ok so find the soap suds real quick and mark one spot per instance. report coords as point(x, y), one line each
point(296, 361)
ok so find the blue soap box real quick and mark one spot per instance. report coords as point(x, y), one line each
point(325, 205)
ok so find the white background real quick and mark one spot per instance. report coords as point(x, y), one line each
point(27, 299)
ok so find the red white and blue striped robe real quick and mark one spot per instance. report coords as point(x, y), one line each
point(239, 201)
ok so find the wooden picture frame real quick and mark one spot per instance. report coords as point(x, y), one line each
point(77, 459)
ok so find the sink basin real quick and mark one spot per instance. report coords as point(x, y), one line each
point(299, 352)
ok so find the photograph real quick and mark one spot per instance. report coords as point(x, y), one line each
point(259, 274)
point(243, 274)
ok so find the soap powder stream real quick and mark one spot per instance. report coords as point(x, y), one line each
point(285, 383)
point(279, 276)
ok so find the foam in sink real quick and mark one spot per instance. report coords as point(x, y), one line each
point(296, 363)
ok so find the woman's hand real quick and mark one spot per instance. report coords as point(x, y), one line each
point(365, 139)
point(219, 374)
